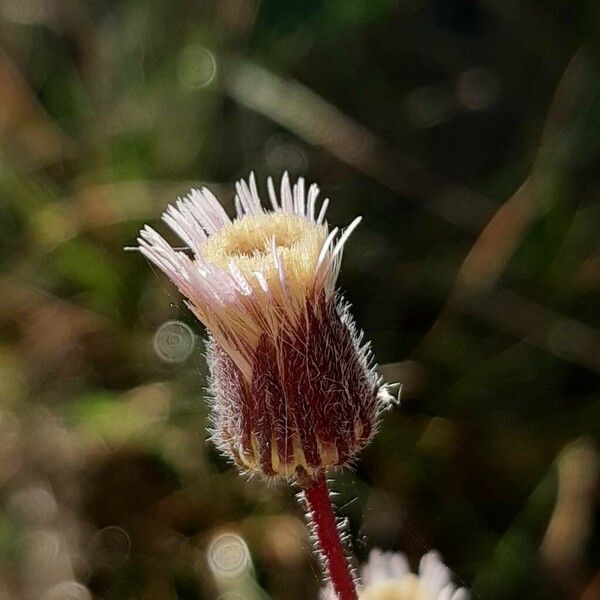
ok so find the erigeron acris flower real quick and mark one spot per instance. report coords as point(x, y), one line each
point(292, 385)
point(387, 576)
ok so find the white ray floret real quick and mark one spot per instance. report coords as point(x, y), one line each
point(321, 216)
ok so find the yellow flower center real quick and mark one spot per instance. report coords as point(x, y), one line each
point(407, 588)
point(250, 239)
point(247, 242)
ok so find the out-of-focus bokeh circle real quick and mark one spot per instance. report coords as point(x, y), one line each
point(174, 341)
point(197, 67)
point(34, 503)
point(111, 546)
point(228, 555)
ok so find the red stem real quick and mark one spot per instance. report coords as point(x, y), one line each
point(328, 536)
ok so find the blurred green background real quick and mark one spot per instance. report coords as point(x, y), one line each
point(468, 136)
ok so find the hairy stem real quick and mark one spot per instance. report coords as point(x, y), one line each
point(321, 514)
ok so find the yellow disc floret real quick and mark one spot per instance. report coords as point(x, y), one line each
point(249, 242)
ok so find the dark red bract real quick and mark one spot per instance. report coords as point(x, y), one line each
point(311, 404)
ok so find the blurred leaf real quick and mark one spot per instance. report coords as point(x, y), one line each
point(89, 270)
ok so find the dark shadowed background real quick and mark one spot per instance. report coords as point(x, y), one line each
point(466, 133)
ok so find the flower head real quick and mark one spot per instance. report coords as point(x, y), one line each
point(292, 384)
point(387, 576)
